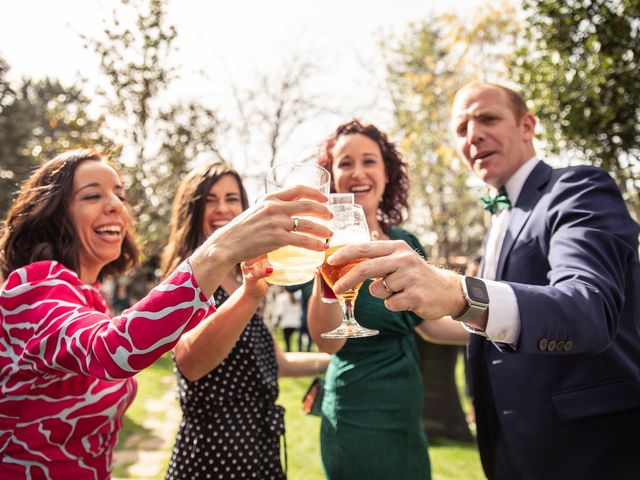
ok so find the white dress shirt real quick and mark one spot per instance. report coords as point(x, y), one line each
point(503, 324)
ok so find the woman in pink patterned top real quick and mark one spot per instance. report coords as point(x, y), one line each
point(66, 365)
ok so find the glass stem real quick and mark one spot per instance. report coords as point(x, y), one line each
point(348, 317)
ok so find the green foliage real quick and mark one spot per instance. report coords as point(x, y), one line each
point(578, 61)
point(158, 141)
point(425, 67)
point(39, 119)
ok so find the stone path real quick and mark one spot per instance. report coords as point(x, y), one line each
point(148, 457)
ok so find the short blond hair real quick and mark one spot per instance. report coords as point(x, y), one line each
point(518, 105)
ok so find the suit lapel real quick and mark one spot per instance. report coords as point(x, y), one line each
point(529, 196)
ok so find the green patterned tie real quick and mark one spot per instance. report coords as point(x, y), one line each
point(499, 202)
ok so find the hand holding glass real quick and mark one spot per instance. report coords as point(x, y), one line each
point(295, 265)
point(349, 225)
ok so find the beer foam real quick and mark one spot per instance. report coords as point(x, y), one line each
point(349, 235)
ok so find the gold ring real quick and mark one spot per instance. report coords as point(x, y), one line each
point(386, 287)
point(296, 222)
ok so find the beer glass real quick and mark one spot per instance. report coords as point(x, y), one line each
point(295, 265)
point(326, 293)
point(349, 225)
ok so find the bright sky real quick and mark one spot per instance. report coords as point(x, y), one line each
point(229, 42)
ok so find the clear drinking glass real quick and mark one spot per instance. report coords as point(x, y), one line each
point(295, 265)
point(326, 293)
point(349, 225)
point(337, 198)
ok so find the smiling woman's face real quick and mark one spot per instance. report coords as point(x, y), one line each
point(99, 215)
point(358, 167)
point(223, 204)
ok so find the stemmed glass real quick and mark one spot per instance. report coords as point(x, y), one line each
point(349, 225)
point(326, 293)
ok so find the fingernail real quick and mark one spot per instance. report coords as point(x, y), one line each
point(269, 270)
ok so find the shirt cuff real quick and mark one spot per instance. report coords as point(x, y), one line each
point(503, 324)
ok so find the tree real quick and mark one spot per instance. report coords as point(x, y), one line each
point(276, 106)
point(39, 119)
point(424, 70)
point(579, 62)
point(159, 137)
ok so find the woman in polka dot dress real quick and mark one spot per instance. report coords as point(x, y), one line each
point(227, 368)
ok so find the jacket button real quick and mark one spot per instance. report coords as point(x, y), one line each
point(560, 346)
point(568, 346)
point(551, 346)
point(542, 344)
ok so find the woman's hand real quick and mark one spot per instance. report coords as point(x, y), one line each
point(271, 222)
point(254, 273)
point(404, 279)
point(263, 228)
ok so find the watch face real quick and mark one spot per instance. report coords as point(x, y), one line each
point(477, 290)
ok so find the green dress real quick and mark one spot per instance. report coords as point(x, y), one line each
point(371, 412)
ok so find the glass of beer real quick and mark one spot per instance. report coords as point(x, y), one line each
point(326, 293)
point(295, 265)
point(349, 225)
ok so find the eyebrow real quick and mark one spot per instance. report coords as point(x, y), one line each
point(118, 187)
point(230, 194)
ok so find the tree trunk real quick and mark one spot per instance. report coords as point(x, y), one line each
point(442, 414)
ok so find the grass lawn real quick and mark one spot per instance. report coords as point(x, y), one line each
point(449, 460)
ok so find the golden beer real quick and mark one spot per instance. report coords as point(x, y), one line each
point(332, 273)
point(293, 265)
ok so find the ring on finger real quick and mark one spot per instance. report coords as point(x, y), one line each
point(386, 287)
point(296, 223)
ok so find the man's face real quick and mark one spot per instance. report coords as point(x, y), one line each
point(488, 135)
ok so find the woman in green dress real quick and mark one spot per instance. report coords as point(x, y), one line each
point(371, 412)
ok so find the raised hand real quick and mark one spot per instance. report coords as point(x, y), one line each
point(254, 273)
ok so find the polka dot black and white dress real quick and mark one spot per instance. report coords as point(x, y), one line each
point(231, 426)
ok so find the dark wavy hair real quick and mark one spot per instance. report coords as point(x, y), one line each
point(38, 226)
point(188, 211)
point(394, 201)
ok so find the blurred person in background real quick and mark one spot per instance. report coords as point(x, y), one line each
point(288, 310)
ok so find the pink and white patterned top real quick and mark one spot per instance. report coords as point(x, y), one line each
point(66, 366)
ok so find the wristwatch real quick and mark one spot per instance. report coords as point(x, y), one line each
point(475, 293)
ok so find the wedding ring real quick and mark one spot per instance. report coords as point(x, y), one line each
point(296, 222)
point(386, 287)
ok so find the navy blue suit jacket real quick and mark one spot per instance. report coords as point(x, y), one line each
point(566, 403)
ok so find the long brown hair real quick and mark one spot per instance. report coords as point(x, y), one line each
point(38, 227)
point(395, 199)
point(188, 211)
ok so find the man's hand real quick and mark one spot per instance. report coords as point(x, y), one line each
point(404, 279)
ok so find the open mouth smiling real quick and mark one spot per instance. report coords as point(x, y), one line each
point(360, 189)
point(110, 231)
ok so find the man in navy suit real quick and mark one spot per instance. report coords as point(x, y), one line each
point(555, 350)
